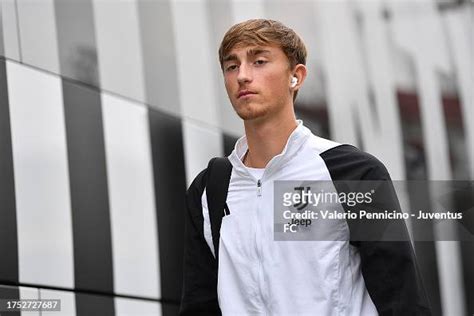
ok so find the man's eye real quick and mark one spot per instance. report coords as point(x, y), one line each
point(231, 67)
point(260, 62)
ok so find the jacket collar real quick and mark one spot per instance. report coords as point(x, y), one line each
point(296, 139)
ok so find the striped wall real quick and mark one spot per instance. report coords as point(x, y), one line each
point(92, 194)
point(108, 109)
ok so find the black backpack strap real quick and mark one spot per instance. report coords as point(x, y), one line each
point(219, 171)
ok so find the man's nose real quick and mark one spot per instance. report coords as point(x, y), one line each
point(245, 73)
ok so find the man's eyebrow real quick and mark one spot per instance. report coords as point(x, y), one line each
point(257, 51)
point(250, 52)
point(230, 57)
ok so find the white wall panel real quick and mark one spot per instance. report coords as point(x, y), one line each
point(29, 293)
point(41, 177)
point(1, 32)
point(195, 60)
point(131, 195)
point(201, 143)
point(130, 307)
point(10, 30)
point(38, 37)
point(244, 10)
point(119, 48)
point(68, 302)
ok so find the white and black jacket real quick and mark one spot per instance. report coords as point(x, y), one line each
point(233, 265)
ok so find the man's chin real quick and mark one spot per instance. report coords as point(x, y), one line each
point(252, 116)
point(251, 112)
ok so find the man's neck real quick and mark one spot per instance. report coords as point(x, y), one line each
point(267, 138)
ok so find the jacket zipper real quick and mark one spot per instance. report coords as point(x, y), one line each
point(259, 194)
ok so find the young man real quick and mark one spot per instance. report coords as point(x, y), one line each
point(232, 264)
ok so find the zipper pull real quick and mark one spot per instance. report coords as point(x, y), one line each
point(259, 188)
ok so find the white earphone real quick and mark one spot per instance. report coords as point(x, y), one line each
point(294, 81)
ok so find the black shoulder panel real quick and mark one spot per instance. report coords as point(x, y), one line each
point(200, 267)
point(346, 162)
point(219, 172)
point(389, 268)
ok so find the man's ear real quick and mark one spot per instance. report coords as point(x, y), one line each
point(300, 73)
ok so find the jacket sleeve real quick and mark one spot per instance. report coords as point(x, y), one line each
point(199, 296)
point(389, 268)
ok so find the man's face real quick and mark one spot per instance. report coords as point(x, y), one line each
point(257, 80)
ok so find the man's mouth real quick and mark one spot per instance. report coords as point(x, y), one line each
point(243, 93)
